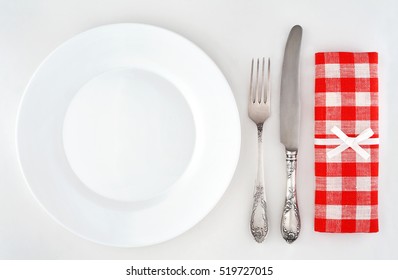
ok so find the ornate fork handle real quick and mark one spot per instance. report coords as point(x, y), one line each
point(259, 220)
point(290, 225)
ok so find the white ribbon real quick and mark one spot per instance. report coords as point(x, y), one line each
point(346, 142)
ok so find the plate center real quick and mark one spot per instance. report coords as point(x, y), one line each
point(129, 134)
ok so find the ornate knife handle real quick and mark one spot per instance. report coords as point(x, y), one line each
point(290, 225)
point(259, 220)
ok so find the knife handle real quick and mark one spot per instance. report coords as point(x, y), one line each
point(259, 220)
point(290, 224)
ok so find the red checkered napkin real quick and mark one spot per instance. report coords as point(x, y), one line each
point(346, 142)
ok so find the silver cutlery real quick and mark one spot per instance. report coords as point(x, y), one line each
point(289, 131)
point(259, 111)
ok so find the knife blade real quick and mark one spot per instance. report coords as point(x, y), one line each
point(289, 101)
point(289, 130)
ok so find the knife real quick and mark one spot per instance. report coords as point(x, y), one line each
point(289, 131)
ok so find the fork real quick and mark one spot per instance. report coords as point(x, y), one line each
point(259, 111)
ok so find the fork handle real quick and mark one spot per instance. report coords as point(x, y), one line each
point(259, 220)
point(290, 224)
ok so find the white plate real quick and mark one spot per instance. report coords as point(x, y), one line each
point(128, 134)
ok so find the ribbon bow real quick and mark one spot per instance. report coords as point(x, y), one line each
point(350, 142)
point(344, 142)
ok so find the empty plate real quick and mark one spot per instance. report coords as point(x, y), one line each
point(128, 134)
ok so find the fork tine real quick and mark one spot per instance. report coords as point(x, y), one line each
point(268, 100)
point(257, 94)
point(262, 94)
point(251, 91)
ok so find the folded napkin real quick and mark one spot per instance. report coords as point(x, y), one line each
point(346, 142)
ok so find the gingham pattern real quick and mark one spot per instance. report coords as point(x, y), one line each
point(346, 96)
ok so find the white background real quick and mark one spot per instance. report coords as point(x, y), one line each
point(231, 32)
